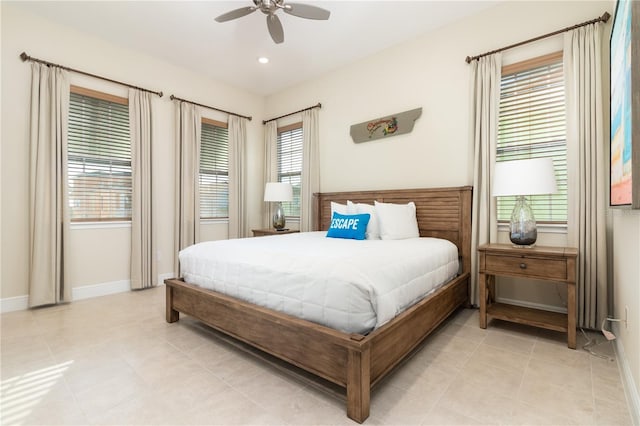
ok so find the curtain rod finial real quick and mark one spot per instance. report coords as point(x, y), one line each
point(468, 59)
point(24, 56)
point(605, 17)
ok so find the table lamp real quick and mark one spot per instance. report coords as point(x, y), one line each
point(524, 177)
point(278, 192)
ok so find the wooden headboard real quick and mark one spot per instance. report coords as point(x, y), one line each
point(441, 212)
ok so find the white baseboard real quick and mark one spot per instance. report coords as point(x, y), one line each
point(551, 308)
point(102, 289)
point(21, 303)
point(630, 387)
point(11, 304)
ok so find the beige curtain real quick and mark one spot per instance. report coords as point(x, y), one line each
point(143, 235)
point(48, 196)
point(270, 164)
point(238, 219)
point(483, 126)
point(586, 151)
point(310, 167)
point(187, 199)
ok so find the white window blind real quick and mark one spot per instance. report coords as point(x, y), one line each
point(532, 125)
point(214, 170)
point(290, 164)
point(99, 157)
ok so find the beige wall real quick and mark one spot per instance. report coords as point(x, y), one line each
point(102, 255)
point(625, 272)
point(428, 72)
point(626, 289)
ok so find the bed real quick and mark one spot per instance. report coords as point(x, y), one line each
point(352, 361)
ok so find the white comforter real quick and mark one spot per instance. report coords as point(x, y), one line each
point(352, 286)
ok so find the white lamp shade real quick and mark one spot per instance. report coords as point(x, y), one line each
point(524, 177)
point(278, 191)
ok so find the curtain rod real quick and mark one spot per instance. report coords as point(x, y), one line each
point(175, 98)
point(26, 57)
point(604, 18)
point(318, 105)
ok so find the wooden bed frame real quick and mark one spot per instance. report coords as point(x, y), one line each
point(352, 361)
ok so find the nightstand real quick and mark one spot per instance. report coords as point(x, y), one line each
point(540, 263)
point(271, 231)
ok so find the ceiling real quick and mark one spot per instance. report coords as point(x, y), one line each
point(185, 33)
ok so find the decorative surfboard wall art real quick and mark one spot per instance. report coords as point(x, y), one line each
point(385, 127)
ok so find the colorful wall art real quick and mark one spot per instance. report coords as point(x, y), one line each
point(384, 127)
point(625, 105)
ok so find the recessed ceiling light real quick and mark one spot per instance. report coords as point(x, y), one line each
point(263, 60)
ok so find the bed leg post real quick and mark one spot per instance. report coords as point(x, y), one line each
point(172, 315)
point(468, 302)
point(358, 384)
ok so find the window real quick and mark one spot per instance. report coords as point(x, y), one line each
point(290, 164)
point(532, 125)
point(99, 156)
point(214, 170)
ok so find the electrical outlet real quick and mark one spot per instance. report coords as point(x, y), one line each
point(158, 255)
point(626, 317)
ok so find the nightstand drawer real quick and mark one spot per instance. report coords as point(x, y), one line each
point(526, 266)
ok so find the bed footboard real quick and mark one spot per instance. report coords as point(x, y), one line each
point(354, 362)
point(341, 358)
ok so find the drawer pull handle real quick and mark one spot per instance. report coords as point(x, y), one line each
point(523, 266)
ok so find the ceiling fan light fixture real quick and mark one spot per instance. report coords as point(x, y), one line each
point(270, 7)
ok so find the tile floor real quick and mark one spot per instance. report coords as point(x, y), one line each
point(115, 361)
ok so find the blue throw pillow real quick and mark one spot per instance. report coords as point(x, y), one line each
point(351, 226)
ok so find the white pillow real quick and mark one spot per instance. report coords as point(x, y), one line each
point(340, 208)
point(373, 229)
point(397, 221)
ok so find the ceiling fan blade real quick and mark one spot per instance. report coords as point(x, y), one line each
point(234, 14)
point(306, 11)
point(275, 28)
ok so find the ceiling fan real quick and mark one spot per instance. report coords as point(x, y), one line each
point(270, 7)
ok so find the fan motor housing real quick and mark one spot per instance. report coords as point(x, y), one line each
point(267, 6)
